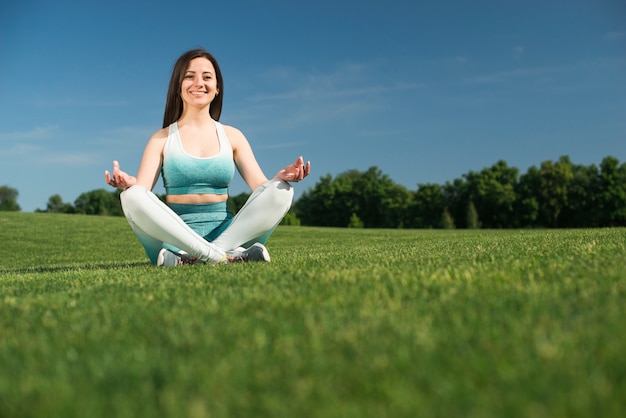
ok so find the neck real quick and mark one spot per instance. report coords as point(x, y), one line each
point(195, 115)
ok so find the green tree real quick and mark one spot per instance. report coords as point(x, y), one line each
point(290, 219)
point(555, 181)
point(99, 202)
point(382, 202)
point(473, 222)
point(492, 191)
point(527, 202)
point(455, 201)
point(8, 199)
point(581, 209)
point(557, 194)
point(56, 205)
point(355, 221)
point(426, 206)
point(611, 199)
point(328, 203)
point(371, 195)
point(447, 221)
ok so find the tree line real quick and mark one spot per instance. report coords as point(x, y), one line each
point(557, 194)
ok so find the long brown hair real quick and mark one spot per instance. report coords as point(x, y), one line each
point(174, 103)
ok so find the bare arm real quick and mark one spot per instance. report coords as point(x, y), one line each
point(149, 169)
point(245, 160)
point(249, 167)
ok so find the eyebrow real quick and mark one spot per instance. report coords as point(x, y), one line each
point(204, 72)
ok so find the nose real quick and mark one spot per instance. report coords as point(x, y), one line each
point(197, 80)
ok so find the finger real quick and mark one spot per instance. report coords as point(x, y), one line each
point(116, 169)
point(107, 177)
point(304, 172)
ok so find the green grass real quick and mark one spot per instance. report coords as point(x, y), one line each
point(342, 323)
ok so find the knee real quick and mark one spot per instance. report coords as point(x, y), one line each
point(274, 195)
point(132, 198)
point(131, 194)
point(281, 191)
point(285, 187)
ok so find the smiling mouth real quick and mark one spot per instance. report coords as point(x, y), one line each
point(198, 93)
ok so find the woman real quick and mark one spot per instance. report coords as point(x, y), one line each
point(197, 156)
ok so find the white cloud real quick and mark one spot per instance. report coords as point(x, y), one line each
point(69, 159)
point(79, 102)
point(502, 76)
point(348, 80)
point(299, 99)
point(19, 150)
point(309, 92)
point(32, 134)
point(335, 86)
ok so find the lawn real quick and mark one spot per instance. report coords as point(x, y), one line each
point(342, 323)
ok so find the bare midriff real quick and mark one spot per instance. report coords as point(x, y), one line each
point(195, 199)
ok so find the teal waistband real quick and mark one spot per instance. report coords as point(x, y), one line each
point(183, 208)
point(196, 189)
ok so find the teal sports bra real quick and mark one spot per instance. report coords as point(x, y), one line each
point(185, 174)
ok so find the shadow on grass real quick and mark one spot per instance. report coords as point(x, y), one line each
point(74, 267)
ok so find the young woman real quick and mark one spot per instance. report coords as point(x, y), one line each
point(197, 157)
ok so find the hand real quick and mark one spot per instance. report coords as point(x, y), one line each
point(120, 179)
point(296, 171)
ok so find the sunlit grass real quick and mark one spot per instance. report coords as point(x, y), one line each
point(342, 323)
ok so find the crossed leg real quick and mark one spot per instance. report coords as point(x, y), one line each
point(155, 224)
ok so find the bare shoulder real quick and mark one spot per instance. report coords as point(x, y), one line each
point(160, 135)
point(232, 131)
point(235, 136)
point(158, 138)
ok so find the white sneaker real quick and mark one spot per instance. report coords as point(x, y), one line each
point(168, 258)
point(256, 252)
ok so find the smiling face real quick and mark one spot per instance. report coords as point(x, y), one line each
point(179, 96)
point(199, 85)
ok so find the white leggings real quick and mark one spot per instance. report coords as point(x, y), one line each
point(156, 225)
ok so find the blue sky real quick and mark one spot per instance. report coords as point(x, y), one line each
point(424, 90)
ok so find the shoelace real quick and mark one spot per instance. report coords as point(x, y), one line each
point(188, 260)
